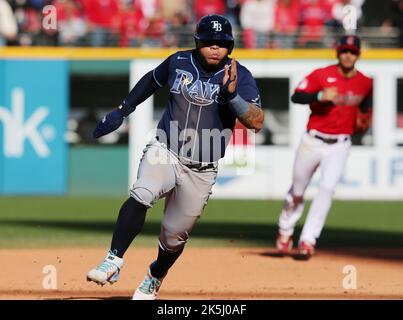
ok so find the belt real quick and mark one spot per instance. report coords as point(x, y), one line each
point(200, 166)
point(329, 140)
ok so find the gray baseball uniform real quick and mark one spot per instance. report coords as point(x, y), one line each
point(180, 163)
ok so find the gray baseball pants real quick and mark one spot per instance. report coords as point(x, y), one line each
point(186, 191)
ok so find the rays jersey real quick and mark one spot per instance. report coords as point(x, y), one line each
point(196, 125)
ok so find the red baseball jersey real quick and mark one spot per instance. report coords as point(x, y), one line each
point(338, 118)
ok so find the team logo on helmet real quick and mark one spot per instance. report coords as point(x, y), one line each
point(350, 40)
point(216, 25)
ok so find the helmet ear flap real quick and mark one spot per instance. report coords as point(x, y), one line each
point(230, 48)
point(197, 43)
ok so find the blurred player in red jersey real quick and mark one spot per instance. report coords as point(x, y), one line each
point(340, 99)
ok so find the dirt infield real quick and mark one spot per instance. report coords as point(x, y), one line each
point(208, 273)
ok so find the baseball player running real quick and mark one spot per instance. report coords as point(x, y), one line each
point(208, 92)
point(340, 99)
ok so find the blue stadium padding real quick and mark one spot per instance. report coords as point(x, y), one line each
point(35, 96)
point(2, 89)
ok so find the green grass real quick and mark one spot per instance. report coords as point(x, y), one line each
point(67, 221)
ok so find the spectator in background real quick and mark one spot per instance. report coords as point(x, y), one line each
point(8, 23)
point(257, 21)
point(178, 17)
point(102, 17)
point(131, 24)
point(29, 24)
point(179, 30)
point(205, 7)
point(70, 23)
point(148, 8)
point(395, 20)
point(233, 10)
point(314, 15)
point(286, 21)
point(39, 4)
point(152, 22)
point(44, 36)
point(177, 8)
point(155, 32)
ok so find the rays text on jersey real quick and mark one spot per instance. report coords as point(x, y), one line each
point(199, 92)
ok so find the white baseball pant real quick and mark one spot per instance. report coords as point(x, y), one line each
point(311, 154)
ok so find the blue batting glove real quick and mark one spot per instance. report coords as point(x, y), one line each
point(109, 123)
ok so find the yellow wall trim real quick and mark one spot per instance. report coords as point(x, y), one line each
point(132, 53)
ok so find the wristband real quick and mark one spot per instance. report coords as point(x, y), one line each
point(125, 110)
point(239, 105)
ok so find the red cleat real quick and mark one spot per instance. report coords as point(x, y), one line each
point(306, 250)
point(283, 244)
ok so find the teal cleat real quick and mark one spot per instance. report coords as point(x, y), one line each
point(107, 271)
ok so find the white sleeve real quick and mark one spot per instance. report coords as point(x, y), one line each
point(8, 24)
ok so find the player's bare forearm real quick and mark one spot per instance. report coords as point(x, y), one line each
point(253, 118)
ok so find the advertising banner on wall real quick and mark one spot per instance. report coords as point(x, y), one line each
point(369, 174)
point(33, 117)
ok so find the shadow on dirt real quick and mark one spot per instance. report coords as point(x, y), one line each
point(376, 243)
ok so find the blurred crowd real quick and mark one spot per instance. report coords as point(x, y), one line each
point(170, 23)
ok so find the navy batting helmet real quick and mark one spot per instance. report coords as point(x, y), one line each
point(352, 43)
point(214, 27)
